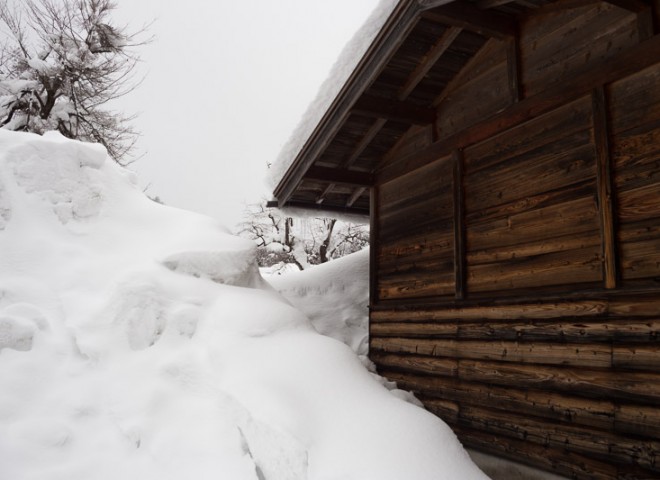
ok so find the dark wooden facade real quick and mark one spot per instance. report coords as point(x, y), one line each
point(509, 155)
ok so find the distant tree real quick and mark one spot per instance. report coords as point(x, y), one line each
point(284, 239)
point(61, 62)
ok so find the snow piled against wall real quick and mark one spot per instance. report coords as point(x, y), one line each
point(138, 341)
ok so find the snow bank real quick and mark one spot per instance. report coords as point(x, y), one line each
point(138, 341)
point(334, 296)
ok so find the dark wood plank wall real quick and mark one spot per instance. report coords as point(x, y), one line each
point(517, 276)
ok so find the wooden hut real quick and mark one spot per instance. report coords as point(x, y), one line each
point(508, 154)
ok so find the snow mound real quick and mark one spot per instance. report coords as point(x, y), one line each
point(335, 297)
point(138, 341)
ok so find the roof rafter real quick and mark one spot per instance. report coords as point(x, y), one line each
point(430, 59)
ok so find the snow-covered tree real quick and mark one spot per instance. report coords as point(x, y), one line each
point(301, 241)
point(61, 62)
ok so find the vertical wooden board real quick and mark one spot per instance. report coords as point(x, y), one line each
point(604, 188)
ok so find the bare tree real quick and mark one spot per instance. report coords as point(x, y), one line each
point(301, 241)
point(61, 62)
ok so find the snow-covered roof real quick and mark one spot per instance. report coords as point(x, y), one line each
point(387, 80)
point(341, 71)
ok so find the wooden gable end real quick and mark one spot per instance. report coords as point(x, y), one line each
point(508, 153)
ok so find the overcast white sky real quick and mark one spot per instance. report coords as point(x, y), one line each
point(227, 82)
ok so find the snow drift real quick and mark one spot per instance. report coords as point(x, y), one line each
point(138, 341)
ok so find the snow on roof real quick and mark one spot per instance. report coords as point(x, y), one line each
point(339, 74)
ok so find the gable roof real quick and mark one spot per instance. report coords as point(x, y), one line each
point(420, 50)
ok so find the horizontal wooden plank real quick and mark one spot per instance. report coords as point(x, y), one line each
point(557, 460)
point(584, 41)
point(578, 217)
point(635, 100)
point(471, 102)
point(546, 310)
point(445, 409)
point(636, 357)
point(639, 387)
point(447, 367)
point(437, 205)
point(597, 413)
point(409, 285)
point(596, 443)
point(583, 355)
point(546, 171)
point(570, 122)
point(630, 331)
point(640, 259)
point(422, 266)
point(430, 178)
point(640, 203)
point(638, 420)
point(636, 157)
point(539, 247)
point(557, 268)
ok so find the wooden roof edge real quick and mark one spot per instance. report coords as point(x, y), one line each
point(320, 208)
point(398, 24)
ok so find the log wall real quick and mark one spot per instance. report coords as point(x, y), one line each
point(516, 261)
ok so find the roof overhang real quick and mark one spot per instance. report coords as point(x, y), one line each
point(335, 167)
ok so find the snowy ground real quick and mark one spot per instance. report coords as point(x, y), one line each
point(138, 341)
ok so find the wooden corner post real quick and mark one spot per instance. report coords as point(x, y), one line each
point(604, 187)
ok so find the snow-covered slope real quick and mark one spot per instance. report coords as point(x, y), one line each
point(334, 296)
point(138, 341)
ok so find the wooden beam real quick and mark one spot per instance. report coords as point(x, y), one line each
point(355, 195)
point(460, 266)
point(370, 106)
point(326, 191)
point(330, 209)
point(342, 176)
point(364, 143)
point(625, 63)
point(604, 187)
point(374, 240)
point(513, 69)
point(430, 59)
point(468, 17)
point(645, 24)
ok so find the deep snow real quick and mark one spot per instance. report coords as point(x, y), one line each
point(139, 341)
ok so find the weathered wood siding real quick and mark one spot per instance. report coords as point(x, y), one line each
point(516, 262)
